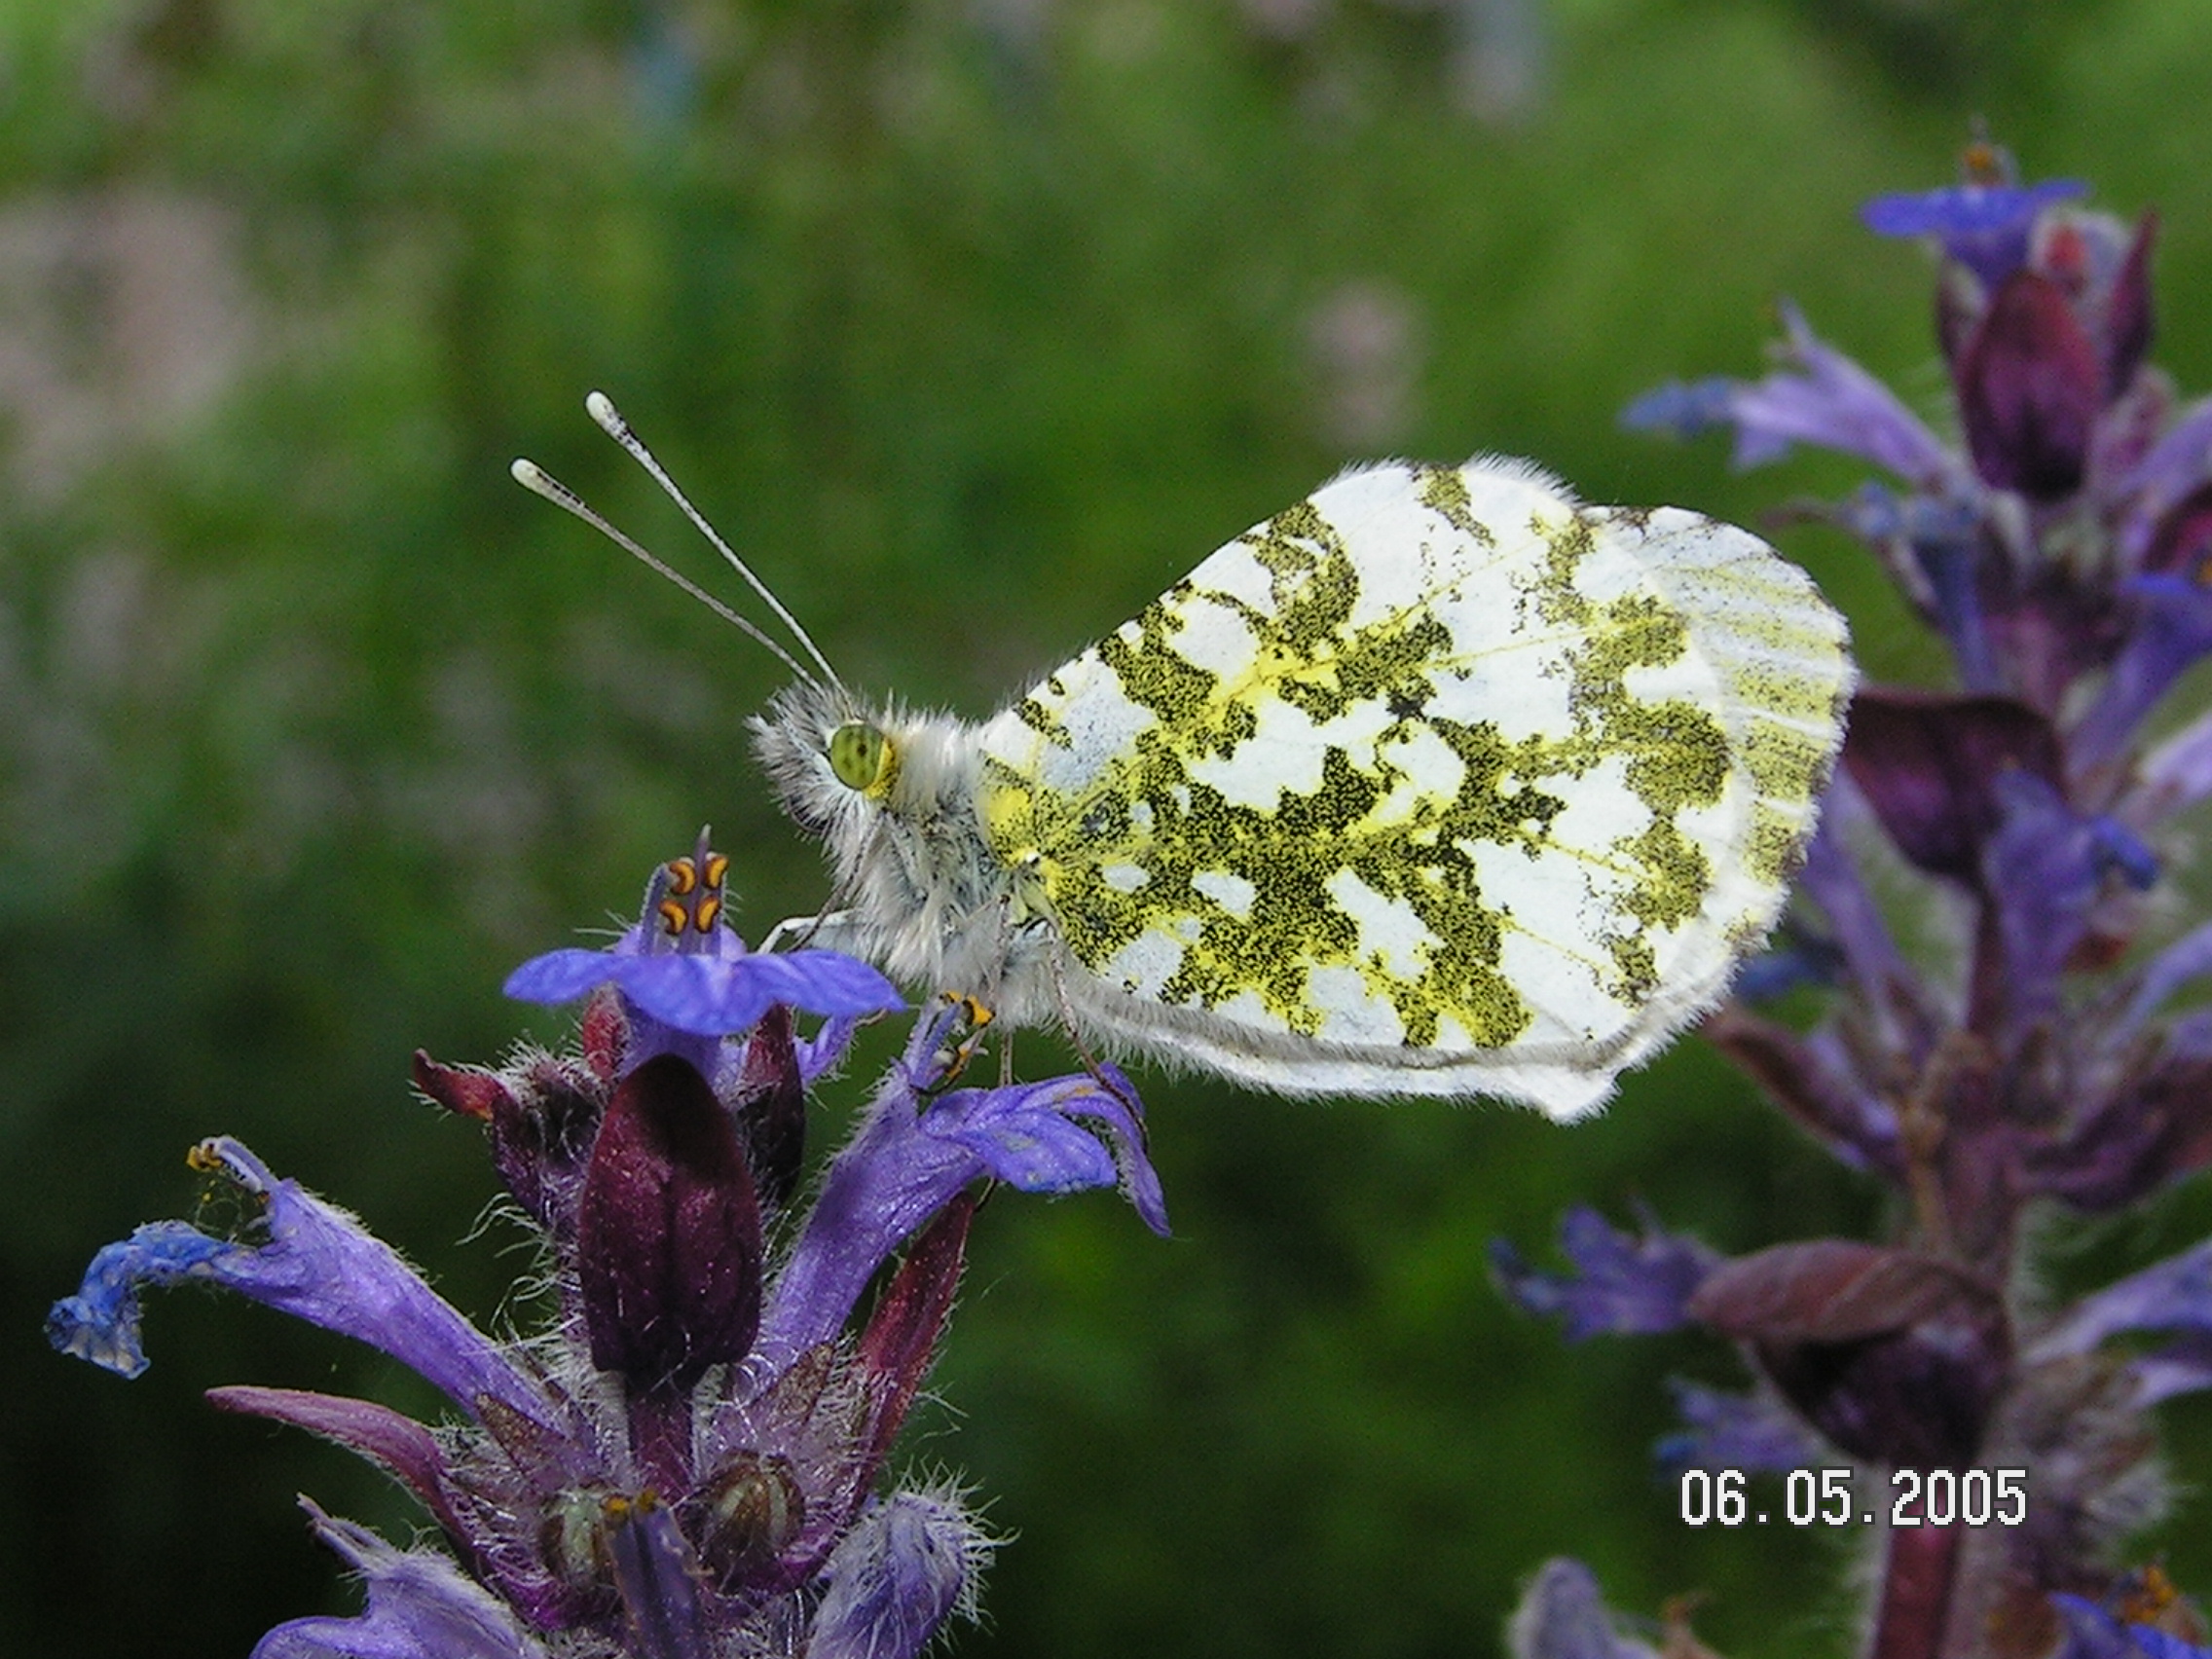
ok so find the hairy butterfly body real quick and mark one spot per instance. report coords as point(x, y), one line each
point(1439, 782)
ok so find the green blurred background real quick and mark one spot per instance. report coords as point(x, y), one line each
point(974, 323)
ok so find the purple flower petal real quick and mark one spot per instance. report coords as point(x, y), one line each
point(911, 1155)
point(1830, 879)
point(2174, 467)
point(101, 1323)
point(2175, 774)
point(906, 1566)
point(1812, 1078)
point(1735, 1431)
point(1927, 764)
point(2091, 1632)
point(1563, 1615)
point(2181, 537)
point(1934, 548)
point(825, 1050)
point(2189, 957)
point(2172, 631)
point(1683, 409)
point(319, 1264)
point(1794, 957)
point(1622, 1285)
point(559, 975)
point(1018, 1138)
point(1827, 400)
point(402, 1446)
point(2152, 1127)
point(709, 994)
point(2030, 384)
point(2043, 869)
point(2179, 1368)
point(2156, 1644)
point(1062, 1135)
point(668, 1233)
point(2172, 1294)
point(419, 1608)
point(1984, 226)
point(2126, 323)
point(657, 1578)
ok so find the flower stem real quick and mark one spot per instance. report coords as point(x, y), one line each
point(1916, 1593)
point(660, 1437)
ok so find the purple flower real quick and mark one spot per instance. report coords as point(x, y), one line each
point(2044, 867)
point(1735, 1431)
point(2092, 1632)
point(907, 1566)
point(1983, 223)
point(915, 1148)
point(708, 995)
point(1685, 409)
point(2030, 387)
point(686, 1464)
point(2168, 474)
point(419, 1608)
point(1819, 396)
point(1933, 546)
point(2172, 631)
point(658, 1577)
point(686, 978)
point(2173, 1296)
point(1978, 870)
point(1563, 1615)
point(1929, 765)
point(304, 1256)
point(1621, 1285)
point(1822, 398)
point(1815, 1079)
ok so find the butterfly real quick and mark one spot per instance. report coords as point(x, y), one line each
point(1437, 783)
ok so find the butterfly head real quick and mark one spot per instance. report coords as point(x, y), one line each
point(831, 761)
point(891, 795)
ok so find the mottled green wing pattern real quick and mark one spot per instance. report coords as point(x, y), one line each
point(1436, 783)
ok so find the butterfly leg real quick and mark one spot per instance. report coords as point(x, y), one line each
point(1090, 1061)
point(793, 932)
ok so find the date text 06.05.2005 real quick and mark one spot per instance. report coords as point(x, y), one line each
point(1829, 1497)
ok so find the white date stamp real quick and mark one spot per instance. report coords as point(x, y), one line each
point(1831, 1497)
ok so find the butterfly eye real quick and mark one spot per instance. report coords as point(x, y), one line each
point(859, 754)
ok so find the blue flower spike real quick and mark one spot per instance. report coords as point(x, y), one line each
point(690, 1462)
point(2042, 1049)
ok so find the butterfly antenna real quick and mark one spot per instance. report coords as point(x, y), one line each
point(538, 482)
point(601, 409)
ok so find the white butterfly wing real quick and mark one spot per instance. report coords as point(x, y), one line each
point(1436, 784)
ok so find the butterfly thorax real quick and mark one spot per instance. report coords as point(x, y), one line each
point(918, 887)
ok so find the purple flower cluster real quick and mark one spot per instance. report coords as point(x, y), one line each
point(1988, 916)
point(688, 1463)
